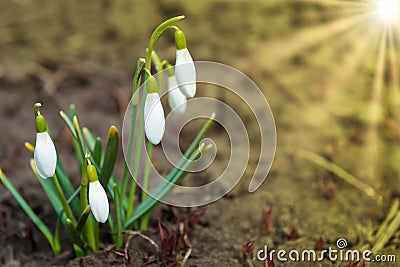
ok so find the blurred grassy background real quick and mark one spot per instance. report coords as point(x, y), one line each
point(309, 58)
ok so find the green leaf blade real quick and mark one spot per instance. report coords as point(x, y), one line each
point(110, 156)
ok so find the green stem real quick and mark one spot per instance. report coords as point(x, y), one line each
point(126, 176)
point(118, 218)
point(88, 227)
point(138, 146)
point(64, 203)
point(145, 218)
point(157, 61)
point(144, 221)
point(157, 34)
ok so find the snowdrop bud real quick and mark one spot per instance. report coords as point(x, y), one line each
point(98, 200)
point(154, 121)
point(176, 100)
point(151, 85)
point(180, 40)
point(45, 156)
point(184, 66)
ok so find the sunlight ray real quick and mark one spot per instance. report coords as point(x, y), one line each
point(371, 147)
point(342, 6)
point(336, 2)
point(393, 93)
point(352, 61)
point(288, 46)
point(376, 98)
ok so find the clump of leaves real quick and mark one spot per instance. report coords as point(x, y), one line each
point(176, 247)
point(168, 242)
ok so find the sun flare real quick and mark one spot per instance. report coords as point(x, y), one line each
point(388, 11)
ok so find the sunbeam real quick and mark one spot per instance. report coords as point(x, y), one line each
point(361, 38)
point(288, 46)
point(393, 92)
point(352, 61)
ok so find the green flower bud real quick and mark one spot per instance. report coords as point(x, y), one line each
point(170, 70)
point(92, 173)
point(41, 125)
point(180, 40)
point(151, 84)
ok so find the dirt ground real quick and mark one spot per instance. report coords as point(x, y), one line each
point(62, 52)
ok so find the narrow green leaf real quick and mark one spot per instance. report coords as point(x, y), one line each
point(111, 221)
point(69, 123)
point(48, 188)
point(144, 220)
point(177, 173)
point(89, 137)
point(82, 219)
point(97, 152)
point(79, 135)
point(60, 172)
point(110, 156)
point(161, 190)
point(91, 141)
point(78, 153)
point(72, 111)
point(118, 218)
point(73, 234)
point(73, 196)
point(57, 245)
point(29, 212)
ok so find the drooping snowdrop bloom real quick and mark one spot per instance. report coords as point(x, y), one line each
point(176, 100)
point(154, 121)
point(184, 66)
point(98, 200)
point(44, 156)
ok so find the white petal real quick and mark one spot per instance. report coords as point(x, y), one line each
point(176, 100)
point(98, 201)
point(154, 121)
point(45, 156)
point(185, 72)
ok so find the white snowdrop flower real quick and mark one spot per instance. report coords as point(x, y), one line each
point(176, 100)
point(98, 200)
point(154, 121)
point(184, 66)
point(44, 156)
